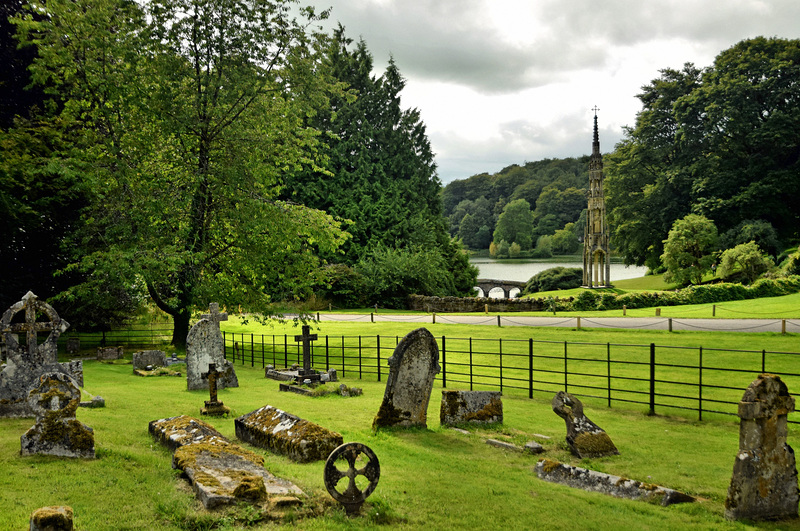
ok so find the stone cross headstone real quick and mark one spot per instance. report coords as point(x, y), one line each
point(306, 337)
point(764, 481)
point(213, 406)
point(412, 368)
point(57, 432)
point(584, 437)
point(25, 364)
point(205, 345)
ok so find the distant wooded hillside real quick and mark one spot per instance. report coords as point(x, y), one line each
point(537, 206)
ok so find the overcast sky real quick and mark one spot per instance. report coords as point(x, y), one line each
point(502, 82)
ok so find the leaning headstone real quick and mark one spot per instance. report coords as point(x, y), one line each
point(109, 353)
point(153, 358)
point(205, 345)
point(285, 434)
point(764, 482)
point(412, 368)
point(58, 518)
point(475, 407)
point(57, 432)
point(26, 363)
point(221, 472)
point(584, 437)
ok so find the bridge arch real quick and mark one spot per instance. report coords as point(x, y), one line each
point(490, 287)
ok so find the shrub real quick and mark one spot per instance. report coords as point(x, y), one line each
point(555, 278)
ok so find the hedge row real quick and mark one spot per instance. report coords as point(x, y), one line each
point(710, 293)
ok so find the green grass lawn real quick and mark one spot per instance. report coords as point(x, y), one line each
point(430, 479)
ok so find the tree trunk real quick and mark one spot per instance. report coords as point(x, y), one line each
point(180, 329)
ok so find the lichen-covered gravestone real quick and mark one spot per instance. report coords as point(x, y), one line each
point(149, 358)
point(57, 432)
point(584, 437)
point(764, 482)
point(412, 368)
point(26, 363)
point(205, 345)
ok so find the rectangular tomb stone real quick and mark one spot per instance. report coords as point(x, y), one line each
point(285, 434)
point(481, 407)
point(145, 358)
point(109, 353)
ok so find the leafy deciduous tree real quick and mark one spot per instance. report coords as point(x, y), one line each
point(688, 249)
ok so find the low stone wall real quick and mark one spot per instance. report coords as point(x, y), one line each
point(476, 304)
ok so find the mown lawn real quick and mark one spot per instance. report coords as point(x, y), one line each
point(431, 478)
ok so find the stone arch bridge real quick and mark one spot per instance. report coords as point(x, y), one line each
point(486, 285)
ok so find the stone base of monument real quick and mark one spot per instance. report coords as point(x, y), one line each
point(285, 434)
point(221, 472)
point(215, 409)
point(616, 486)
point(57, 518)
point(300, 376)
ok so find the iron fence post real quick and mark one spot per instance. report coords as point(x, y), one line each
point(444, 362)
point(530, 367)
point(652, 379)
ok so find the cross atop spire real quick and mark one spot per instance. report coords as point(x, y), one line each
point(595, 109)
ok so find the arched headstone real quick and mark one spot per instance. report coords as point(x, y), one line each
point(412, 368)
point(205, 345)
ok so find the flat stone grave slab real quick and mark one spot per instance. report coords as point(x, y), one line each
point(221, 472)
point(286, 434)
point(478, 407)
point(619, 487)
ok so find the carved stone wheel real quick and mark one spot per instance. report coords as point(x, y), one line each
point(360, 460)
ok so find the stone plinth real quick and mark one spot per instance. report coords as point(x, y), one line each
point(57, 518)
point(584, 437)
point(151, 358)
point(221, 472)
point(285, 434)
point(57, 431)
point(764, 481)
point(477, 407)
point(616, 486)
point(412, 368)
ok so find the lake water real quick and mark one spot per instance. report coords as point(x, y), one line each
point(523, 270)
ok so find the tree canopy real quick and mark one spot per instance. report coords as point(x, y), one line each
point(722, 142)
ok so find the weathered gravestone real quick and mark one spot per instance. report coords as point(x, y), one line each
point(205, 345)
point(412, 368)
point(214, 407)
point(285, 434)
point(26, 363)
point(478, 407)
point(584, 437)
point(57, 432)
point(764, 482)
point(221, 472)
point(151, 358)
point(73, 345)
point(109, 353)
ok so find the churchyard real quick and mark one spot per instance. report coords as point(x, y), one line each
point(432, 478)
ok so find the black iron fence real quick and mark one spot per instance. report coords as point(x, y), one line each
point(698, 379)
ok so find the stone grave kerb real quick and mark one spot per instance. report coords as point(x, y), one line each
point(35, 354)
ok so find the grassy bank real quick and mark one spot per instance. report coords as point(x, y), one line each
point(431, 479)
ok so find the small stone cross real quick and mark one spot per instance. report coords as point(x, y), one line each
point(214, 315)
point(212, 376)
point(306, 337)
point(31, 304)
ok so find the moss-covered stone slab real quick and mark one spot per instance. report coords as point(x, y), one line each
point(220, 471)
point(474, 407)
point(584, 437)
point(412, 368)
point(619, 487)
point(286, 434)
